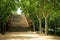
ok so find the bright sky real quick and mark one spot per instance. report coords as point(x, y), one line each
point(19, 11)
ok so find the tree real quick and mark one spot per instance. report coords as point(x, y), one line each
point(46, 8)
point(38, 9)
point(6, 8)
point(32, 8)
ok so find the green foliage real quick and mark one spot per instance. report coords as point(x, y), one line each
point(32, 9)
point(6, 7)
point(51, 9)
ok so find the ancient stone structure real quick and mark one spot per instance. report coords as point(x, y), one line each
point(18, 23)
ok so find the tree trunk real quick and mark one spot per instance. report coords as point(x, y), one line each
point(33, 26)
point(55, 29)
point(40, 28)
point(2, 28)
point(46, 25)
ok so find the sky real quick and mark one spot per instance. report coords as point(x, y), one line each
point(19, 11)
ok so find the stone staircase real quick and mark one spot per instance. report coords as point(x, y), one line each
point(18, 23)
point(19, 29)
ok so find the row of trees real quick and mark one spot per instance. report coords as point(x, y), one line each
point(6, 8)
point(36, 10)
point(39, 9)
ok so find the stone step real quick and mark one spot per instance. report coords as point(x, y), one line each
point(20, 29)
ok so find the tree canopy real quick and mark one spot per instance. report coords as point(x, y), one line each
point(35, 10)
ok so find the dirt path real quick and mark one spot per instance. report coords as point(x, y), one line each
point(28, 36)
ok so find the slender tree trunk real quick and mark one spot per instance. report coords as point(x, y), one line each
point(2, 28)
point(40, 28)
point(55, 29)
point(33, 26)
point(46, 25)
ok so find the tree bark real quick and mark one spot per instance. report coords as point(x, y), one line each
point(46, 25)
point(40, 28)
point(33, 26)
point(2, 29)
